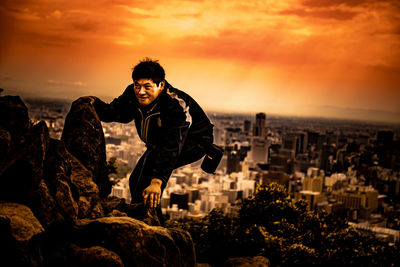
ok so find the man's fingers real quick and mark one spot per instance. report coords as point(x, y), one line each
point(156, 200)
point(151, 200)
point(145, 196)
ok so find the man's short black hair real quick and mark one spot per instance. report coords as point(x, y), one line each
point(149, 69)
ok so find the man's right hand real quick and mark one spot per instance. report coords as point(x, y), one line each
point(90, 99)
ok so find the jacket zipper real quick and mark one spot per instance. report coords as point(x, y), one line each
point(144, 124)
point(146, 130)
point(141, 124)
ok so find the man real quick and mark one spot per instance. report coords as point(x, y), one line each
point(174, 127)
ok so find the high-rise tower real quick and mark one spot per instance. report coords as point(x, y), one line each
point(259, 128)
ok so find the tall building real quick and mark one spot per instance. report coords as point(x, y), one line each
point(259, 128)
point(233, 162)
point(295, 141)
point(219, 136)
point(247, 127)
point(312, 139)
point(328, 155)
point(259, 150)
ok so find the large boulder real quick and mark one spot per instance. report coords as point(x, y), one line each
point(71, 255)
point(20, 236)
point(84, 138)
point(14, 116)
point(95, 256)
point(137, 243)
point(22, 170)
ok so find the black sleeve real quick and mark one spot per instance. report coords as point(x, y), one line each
point(119, 110)
point(176, 121)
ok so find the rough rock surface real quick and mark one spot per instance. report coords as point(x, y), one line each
point(257, 261)
point(20, 235)
point(137, 243)
point(83, 137)
point(52, 211)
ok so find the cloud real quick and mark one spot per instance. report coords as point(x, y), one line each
point(76, 84)
point(336, 14)
point(329, 3)
point(139, 12)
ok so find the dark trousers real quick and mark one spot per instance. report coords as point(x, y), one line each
point(141, 176)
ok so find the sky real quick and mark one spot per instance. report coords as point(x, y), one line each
point(319, 58)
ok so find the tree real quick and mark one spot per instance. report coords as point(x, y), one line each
point(270, 224)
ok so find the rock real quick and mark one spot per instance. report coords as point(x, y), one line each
point(21, 236)
point(65, 200)
point(22, 171)
point(95, 256)
point(113, 202)
point(89, 201)
point(71, 255)
point(60, 164)
point(14, 116)
point(117, 213)
point(137, 243)
point(5, 146)
point(84, 138)
point(137, 211)
point(257, 261)
point(53, 202)
point(45, 207)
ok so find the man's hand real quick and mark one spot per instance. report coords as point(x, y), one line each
point(90, 99)
point(152, 194)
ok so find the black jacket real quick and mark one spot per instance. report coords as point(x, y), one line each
point(171, 122)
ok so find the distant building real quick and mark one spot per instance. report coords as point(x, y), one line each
point(259, 128)
point(295, 142)
point(312, 198)
point(328, 155)
point(279, 177)
point(247, 127)
point(233, 162)
point(219, 136)
point(356, 197)
point(312, 139)
point(181, 199)
point(259, 150)
point(313, 184)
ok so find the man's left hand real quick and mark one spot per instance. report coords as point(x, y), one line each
point(152, 194)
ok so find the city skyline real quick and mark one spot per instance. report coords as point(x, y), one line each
point(303, 58)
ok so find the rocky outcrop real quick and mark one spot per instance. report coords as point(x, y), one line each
point(54, 208)
point(83, 137)
point(137, 243)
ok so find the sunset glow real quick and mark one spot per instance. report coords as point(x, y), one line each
point(333, 58)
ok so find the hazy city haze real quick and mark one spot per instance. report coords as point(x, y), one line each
point(314, 58)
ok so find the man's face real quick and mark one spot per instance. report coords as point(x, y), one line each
point(147, 91)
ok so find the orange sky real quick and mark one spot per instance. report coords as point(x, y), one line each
point(331, 58)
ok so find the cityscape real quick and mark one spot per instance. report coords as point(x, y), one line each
point(333, 164)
